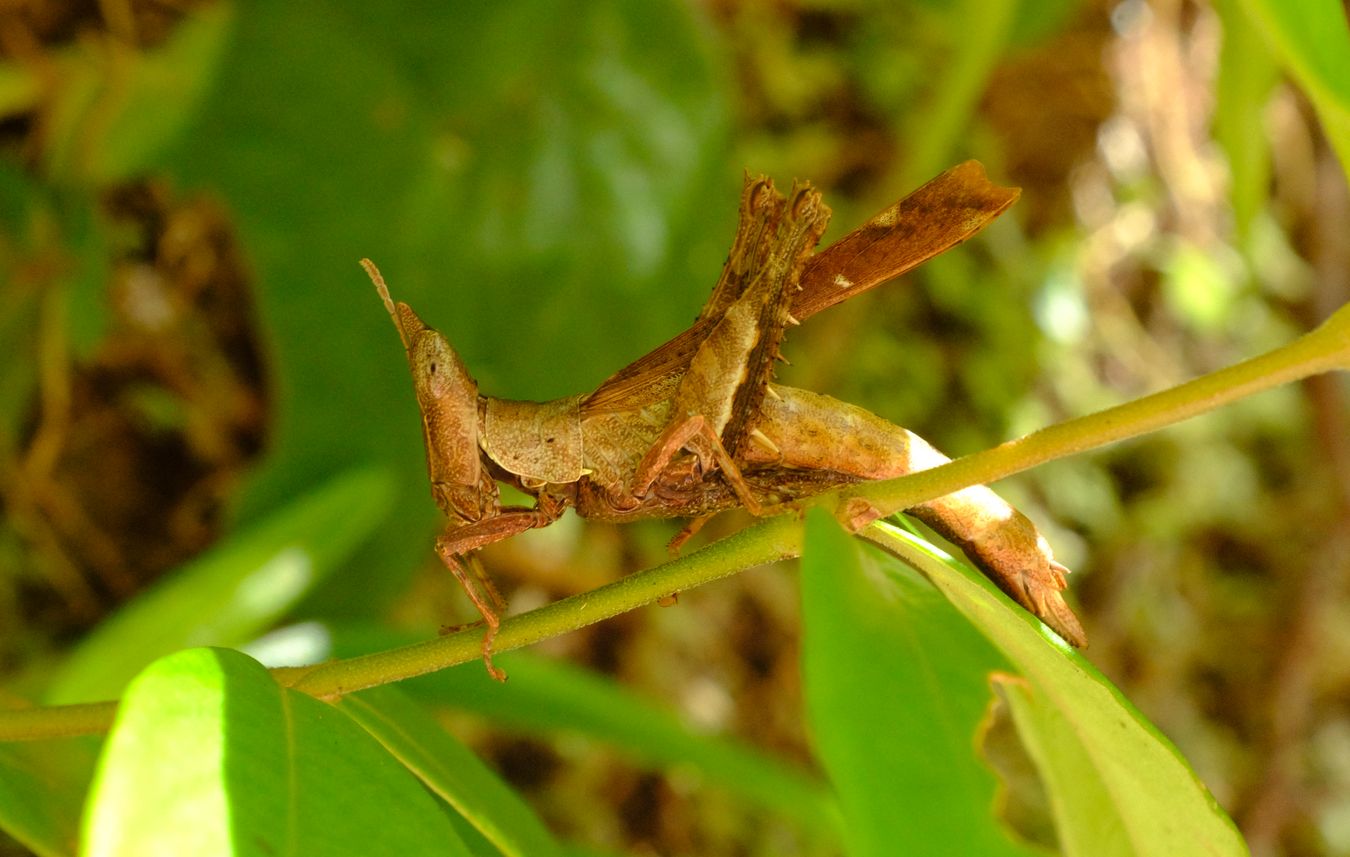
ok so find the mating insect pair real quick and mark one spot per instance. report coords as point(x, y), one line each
point(698, 425)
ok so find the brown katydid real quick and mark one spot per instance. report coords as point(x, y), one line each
point(698, 426)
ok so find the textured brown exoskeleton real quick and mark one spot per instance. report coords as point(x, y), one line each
point(697, 426)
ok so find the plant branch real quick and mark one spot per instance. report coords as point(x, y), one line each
point(1324, 349)
point(768, 541)
point(56, 721)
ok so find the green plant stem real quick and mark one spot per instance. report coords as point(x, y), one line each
point(769, 541)
point(56, 721)
point(1322, 350)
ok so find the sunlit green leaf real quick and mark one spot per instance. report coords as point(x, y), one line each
point(1100, 758)
point(1075, 790)
point(208, 755)
point(896, 687)
point(1247, 75)
point(1312, 39)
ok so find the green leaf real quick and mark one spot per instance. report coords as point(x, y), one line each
point(1247, 75)
point(1076, 791)
point(208, 755)
point(617, 125)
point(896, 688)
point(1117, 785)
point(232, 592)
point(530, 177)
point(451, 771)
point(549, 698)
point(119, 108)
point(1312, 39)
point(42, 787)
point(980, 30)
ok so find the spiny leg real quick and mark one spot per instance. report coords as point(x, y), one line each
point(698, 435)
point(484, 595)
point(728, 373)
point(454, 547)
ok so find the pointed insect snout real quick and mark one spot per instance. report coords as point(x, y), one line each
point(409, 324)
point(447, 396)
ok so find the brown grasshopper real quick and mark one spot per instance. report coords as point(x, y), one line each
point(697, 426)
